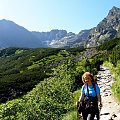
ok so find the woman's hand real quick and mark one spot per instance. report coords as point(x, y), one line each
point(100, 105)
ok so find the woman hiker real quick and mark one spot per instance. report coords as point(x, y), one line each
point(90, 99)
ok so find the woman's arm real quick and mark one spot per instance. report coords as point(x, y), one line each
point(99, 100)
point(81, 98)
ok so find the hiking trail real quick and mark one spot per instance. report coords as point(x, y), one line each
point(111, 108)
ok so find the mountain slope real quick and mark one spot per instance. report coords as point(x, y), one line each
point(55, 95)
point(13, 35)
point(108, 28)
point(71, 40)
point(47, 37)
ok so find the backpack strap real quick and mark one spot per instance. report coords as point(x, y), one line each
point(88, 90)
point(94, 86)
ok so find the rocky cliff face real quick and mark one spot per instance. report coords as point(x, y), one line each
point(47, 37)
point(71, 40)
point(108, 28)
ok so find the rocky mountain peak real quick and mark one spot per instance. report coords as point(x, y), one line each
point(108, 28)
point(6, 22)
point(114, 11)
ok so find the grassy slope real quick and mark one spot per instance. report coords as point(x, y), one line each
point(45, 94)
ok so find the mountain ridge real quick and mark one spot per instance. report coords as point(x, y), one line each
point(13, 35)
point(108, 28)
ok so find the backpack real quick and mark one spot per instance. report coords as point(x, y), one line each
point(90, 103)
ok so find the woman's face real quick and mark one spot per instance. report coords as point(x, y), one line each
point(87, 79)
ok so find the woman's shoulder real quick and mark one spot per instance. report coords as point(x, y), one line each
point(95, 84)
point(83, 87)
point(97, 88)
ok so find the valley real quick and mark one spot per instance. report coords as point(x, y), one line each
point(45, 83)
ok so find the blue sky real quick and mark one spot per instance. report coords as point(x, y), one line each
point(45, 15)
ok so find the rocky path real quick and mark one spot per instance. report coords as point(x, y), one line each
point(110, 109)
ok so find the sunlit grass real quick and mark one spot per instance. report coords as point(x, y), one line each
point(116, 85)
point(70, 116)
point(33, 66)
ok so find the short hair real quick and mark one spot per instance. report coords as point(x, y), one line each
point(86, 74)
